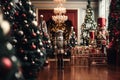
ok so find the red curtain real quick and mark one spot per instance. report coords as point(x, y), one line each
point(72, 15)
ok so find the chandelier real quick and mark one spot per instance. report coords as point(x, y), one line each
point(59, 12)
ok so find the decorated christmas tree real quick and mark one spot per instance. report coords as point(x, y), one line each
point(10, 68)
point(88, 26)
point(72, 42)
point(47, 45)
point(8, 10)
point(26, 37)
point(114, 32)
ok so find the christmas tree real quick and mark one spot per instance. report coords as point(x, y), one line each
point(7, 7)
point(26, 37)
point(47, 45)
point(88, 25)
point(114, 20)
point(10, 68)
point(72, 38)
point(114, 32)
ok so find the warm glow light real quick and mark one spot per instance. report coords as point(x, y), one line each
point(59, 12)
point(59, 18)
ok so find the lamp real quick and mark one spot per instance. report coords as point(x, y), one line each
point(59, 12)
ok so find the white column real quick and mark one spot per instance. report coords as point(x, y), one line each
point(104, 9)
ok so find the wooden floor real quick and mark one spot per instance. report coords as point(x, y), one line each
point(79, 72)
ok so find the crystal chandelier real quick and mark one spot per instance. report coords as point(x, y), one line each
point(59, 12)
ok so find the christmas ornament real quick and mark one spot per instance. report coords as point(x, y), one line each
point(25, 40)
point(21, 51)
point(25, 58)
point(27, 25)
point(13, 58)
point(30, 11)
point(35, 22)
point(40, 43)
point(33, 62)
point(3, 8)
point(18, 74)
point(24, 15)
point(29, 3)
point(9, 7)
point(25, 21)
point(34, 34)
point(21, 33)
point(11, 3)
point(20, 3)
point(38, 50)
point(7, 63)
point(5, 26)
point(41, 53)
point(38, 32)
point(33, 46)
point(34, 14)
point(49, 41)
point(14, 41)
point(9, 46)
point(17, 13)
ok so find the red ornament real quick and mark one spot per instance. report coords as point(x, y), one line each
point(9, 7)
point(25, 40)
point(7, 63)
point(34, 34)
point(21, 51)
point(33, 46)
point(43, 48)
point(24, 15)
point(3, 8)
point(16, 13)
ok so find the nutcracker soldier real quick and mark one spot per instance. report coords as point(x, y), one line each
point(102, 35)
point(60, 50)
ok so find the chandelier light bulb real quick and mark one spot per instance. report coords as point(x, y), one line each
point(59, 12)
